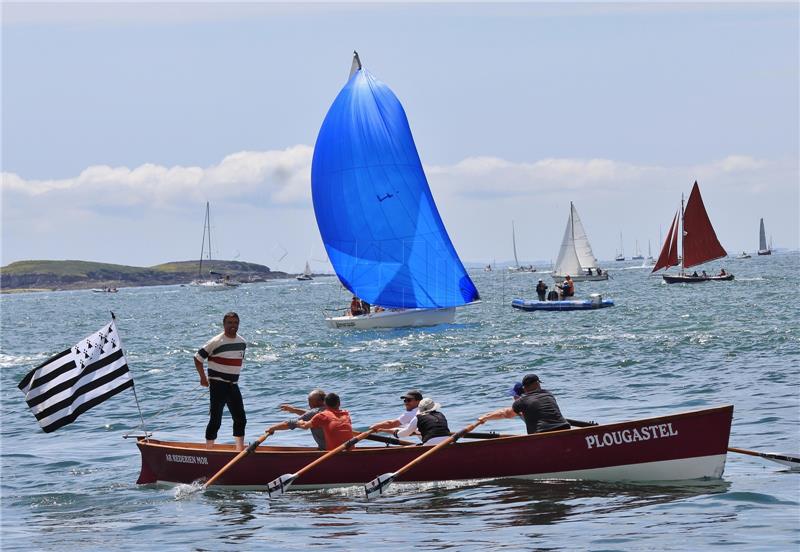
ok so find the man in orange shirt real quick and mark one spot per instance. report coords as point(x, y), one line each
point(334, 422)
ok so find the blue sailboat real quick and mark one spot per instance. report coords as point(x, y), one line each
point(376, 214)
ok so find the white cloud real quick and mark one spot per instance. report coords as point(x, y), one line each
point(261, 199)
point(282, 175)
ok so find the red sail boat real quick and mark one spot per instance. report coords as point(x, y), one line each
point(698, 240)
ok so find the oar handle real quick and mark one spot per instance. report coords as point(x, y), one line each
point(238, 457)
point(579, 423)
point(346, 445)
point(454, 437)
point(387, 440)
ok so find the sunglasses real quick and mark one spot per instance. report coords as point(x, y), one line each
point(406, 400)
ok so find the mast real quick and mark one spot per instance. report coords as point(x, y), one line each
point(514, 244)
point(682, 229)
point(572, 231)
point(203, 244)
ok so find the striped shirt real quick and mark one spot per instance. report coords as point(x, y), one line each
point(225, 356)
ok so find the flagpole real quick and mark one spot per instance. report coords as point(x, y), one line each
point(133, 382)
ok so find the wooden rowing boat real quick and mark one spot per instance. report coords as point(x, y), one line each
point(684, 446)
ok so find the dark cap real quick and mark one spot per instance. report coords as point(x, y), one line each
point(413, 394)
point(516, 391)
point(530, 379)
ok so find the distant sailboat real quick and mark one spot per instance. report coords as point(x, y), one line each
point(218, 282)
point(649, 253)
point(517, 267)
point(306, 275)
point(376, 214)
point(575, 258)
point(698, 241)
point(621, 254)
point(637, 255)
point(763, 248)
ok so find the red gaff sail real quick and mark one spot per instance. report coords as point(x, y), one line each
point(669, 252)
point(700, 243)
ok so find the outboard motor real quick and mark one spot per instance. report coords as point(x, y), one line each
point(552, 296)
point(596, 299)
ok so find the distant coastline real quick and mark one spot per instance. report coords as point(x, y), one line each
point(32, 276)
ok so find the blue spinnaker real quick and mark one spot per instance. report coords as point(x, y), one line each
point(374, 209)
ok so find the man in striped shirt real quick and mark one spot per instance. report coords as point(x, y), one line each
point(225, 354)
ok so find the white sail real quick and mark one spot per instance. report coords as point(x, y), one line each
point(567, 261)
point(307, 271)
point(762, 237)
point(583, 250)
point(514, 244)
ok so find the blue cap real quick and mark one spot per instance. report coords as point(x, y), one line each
point(516, 390)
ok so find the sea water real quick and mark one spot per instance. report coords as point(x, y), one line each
point(661, 349)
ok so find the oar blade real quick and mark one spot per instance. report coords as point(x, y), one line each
point(280, 485)
point(377, 486)
point(783, 459)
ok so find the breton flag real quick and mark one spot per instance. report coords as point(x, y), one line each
point(70, 383)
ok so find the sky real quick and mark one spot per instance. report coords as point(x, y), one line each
point(120, 121)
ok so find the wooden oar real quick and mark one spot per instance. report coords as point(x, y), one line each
point(239, 456)
point(380, 483)
point(387, 440)
point(791, 461)
point(278, 486)
point(784, 459)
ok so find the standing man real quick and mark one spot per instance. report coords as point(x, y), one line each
point(536, 406)
point(316, 404)
point(541, 289)
point(411, 403)
point(225, 355)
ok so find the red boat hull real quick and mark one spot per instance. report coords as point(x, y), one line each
point(686, 279)
point(690, 445)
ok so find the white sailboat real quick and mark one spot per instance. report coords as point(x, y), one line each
point(575, 258)
point(637, 255)
point(649, 252)
point(763, 248)
point(215, 281)
point(621, 253)
point(517, 267)
point(306, 275)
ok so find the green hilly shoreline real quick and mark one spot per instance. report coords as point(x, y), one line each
point(57, 275)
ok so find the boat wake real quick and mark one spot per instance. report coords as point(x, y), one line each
point(184, 491)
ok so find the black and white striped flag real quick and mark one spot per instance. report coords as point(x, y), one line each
point(70, 383)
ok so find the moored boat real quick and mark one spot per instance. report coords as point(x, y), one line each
point(595, 301)
point(684, 446)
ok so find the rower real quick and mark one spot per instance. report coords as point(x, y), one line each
point(411, 402)
point(537, 407)
point(334, 422)
point(316, 404)
point(429, 424)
